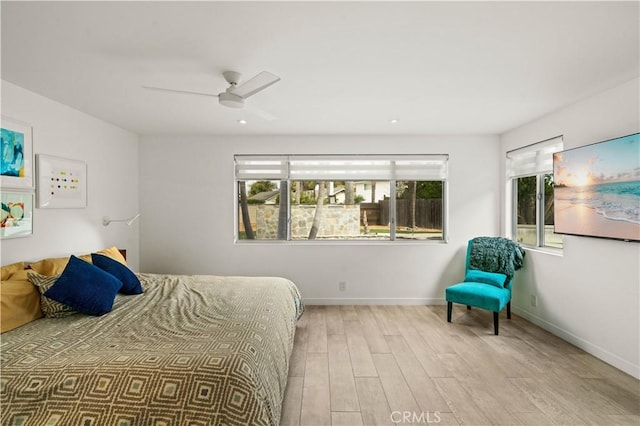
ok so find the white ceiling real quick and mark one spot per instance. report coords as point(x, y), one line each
point(346, 67)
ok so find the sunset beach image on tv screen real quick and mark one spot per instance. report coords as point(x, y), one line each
point(597, 189)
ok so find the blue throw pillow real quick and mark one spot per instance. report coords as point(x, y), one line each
point(491, 278)
point(85, 288)
point(130, 283)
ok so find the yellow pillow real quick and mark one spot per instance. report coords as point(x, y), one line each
point(113, 253)
point(19, 304)
point(10, 269)
point(20, 275)
point(55, 265)
point(50, 266)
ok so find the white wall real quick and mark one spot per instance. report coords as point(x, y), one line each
point(187, 196)
point(111, 154)
point(590, 295)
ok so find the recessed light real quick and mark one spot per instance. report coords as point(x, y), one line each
point(242, 122)
point(393, 121)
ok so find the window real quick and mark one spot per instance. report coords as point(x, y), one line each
point(530, 171)
point(341, 197)
point(418, 209)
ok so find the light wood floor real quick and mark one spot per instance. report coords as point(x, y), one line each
point(370, 365)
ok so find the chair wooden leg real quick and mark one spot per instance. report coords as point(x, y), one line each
point(449, 308)
point(468, 308)
point(496, 319)
point(509, 310)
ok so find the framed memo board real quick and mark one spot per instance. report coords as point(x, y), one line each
point(62, 183)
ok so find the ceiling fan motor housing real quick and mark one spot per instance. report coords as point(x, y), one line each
point(230, 100)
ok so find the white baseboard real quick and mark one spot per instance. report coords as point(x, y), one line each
point(595, 350)
point(373, 301)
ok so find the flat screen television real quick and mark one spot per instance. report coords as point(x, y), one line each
point(597, 189)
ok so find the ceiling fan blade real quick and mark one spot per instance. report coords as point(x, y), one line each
point(259, 112)
point(185, 92)
point(255, 84)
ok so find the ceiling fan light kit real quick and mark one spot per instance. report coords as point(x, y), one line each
point(230, 100)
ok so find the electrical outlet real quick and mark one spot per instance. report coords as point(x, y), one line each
point(534, 300)
point(342, 285)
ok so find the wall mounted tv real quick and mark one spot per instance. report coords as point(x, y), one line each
point(597, 189)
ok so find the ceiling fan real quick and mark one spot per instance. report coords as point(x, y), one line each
point(234, 96)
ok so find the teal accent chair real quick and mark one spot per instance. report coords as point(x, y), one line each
point(480, 294)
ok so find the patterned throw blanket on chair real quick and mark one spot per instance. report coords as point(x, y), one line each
point(496, 254)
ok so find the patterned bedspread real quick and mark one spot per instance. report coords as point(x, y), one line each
point(191, 350)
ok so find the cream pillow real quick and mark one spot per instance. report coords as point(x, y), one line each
point(50, 308)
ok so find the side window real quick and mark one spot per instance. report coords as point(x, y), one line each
point(526, 221)
point(530, 170)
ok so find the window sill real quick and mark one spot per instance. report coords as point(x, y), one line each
point(545, 250)
point(342, 243)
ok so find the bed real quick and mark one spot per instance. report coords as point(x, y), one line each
point(190, 350)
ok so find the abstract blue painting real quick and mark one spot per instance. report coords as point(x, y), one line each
point(16, 154)
point(12, 162)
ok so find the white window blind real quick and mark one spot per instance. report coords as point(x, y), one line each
point(533, 159)
point(342, 167)
point(431, 167)
point(261, 167)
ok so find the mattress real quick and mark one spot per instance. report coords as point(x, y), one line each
point(190, 350)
